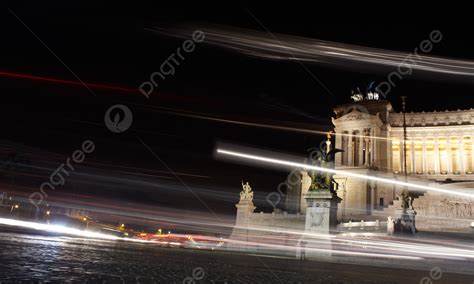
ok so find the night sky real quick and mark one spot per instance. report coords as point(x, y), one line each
point(45, 122)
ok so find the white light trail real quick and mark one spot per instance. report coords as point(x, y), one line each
point(61, 229)
point(335, 252)
point(377, 246)
point(290, 48)
point(339, 172)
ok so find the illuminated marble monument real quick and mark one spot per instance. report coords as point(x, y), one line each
point(438, 153)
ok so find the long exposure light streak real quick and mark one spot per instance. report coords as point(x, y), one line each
point(67, 82)
point(291, 48)
point(61, 230)
point(257, 124)
point(332, 251)
point(334, 171)
point(376, 244)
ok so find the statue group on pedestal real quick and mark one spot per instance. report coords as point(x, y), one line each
point(246, 194)
point(324, 159)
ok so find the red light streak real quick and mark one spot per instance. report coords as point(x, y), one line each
point(68, 82)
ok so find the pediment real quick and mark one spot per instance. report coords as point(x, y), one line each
point(355, 114)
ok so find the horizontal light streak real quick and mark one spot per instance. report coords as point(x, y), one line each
point(339, 172)
point(309, 50)
point(67, 82)
point(61, 230)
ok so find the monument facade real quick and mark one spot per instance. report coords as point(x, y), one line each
point(438, 152)
point(370, 133)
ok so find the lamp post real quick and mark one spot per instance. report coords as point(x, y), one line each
point(85, 219)
point(405, 192)
point(47, 216)
point(15, 206)
point(14, 211)
point(404, 220)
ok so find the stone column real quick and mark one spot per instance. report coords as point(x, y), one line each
point(450, 160)
point(361, 145)
point(437, 165)
point(402, 155)
point(372, 197)
point(461, 159)
point(367, 149)
point(338, 137)
point(387, 147)
point(471, 161)
point(423, 153)
point(373, 153)
point(350, 158)
point(472, 151)
point(413, 158)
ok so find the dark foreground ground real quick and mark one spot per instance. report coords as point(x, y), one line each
point(55, 259)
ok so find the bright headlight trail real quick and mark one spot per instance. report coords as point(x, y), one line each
point(61, 230)
point(339, 172)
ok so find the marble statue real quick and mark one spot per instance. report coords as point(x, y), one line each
point(246, 194)
point(324, 159)
point(390, 225)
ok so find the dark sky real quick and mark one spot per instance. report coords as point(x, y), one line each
point(46, 122)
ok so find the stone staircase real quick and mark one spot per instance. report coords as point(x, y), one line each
point(389, 210)
point(434, 214)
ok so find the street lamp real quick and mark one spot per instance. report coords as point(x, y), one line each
point(16, 206)
point(85, 219)
point(48, 212)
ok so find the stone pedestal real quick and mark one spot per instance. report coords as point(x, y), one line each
point(321, 219)
point(404, 221)
point(241, 230)
point(244, 209)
